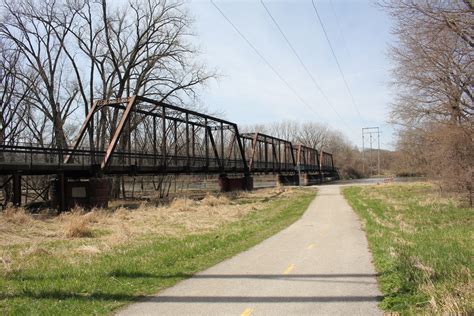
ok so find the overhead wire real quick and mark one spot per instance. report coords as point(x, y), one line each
point(303, 64)
point(341, 33)
point(265, 61)
point(337, 61)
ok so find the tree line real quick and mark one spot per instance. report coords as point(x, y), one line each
point(433, 78)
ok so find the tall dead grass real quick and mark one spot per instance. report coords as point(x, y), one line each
point(77, 223)
point(16, 216)
point(87, 234)
point(182, 205)
point(212, 200)
point(98, 230)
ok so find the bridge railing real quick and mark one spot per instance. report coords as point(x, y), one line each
point(36, 154)
point(26, 156)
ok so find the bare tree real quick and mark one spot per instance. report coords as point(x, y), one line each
point(12, 95)
point(314, 135)
point(287, 130)
point(27, 27)
point(434, 80)
point(412, 147)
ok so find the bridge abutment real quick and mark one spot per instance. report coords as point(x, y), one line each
point(87, 193)
point(310, 179)
point(233, 184)
point(286, 180)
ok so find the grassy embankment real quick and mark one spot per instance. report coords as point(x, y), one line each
point(422, 246)
point(93, 263)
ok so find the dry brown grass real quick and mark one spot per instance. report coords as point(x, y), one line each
point(77, 228)
point(5, 261)
point(182, 205)
point(90, 233)
point(90, 250)
point(212, 200)
point(35, 251)
point(77, 223)
point(16, 216)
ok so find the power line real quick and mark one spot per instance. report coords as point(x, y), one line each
point(341, 34)
point(265, 60)
point(337, 61)
point(302, 63)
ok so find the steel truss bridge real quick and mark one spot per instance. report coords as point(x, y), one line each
point(142, 136)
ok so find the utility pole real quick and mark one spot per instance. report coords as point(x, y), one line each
point(371, 152)
point(378, 152)
point(371, 131)
point(363, 153)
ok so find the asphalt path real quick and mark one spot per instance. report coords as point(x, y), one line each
point(320, 265)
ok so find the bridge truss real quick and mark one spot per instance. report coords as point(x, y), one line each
point(142, 136)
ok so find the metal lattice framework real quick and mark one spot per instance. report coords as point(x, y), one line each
point(138, 135)
point(155, 137)
point(268, 154)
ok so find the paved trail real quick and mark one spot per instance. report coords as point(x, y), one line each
point(320, 265)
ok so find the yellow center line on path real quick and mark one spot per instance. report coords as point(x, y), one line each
point(247, 312)
point(289, 269)
point(323, 232)
point(310, 246)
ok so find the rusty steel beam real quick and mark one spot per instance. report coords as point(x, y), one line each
point(183, 110)
point(241, 149)
point(254, 148)
point(82, 131)
point(214, 147)
point(187, 139)
point(292, 152)
point(155, 153)
point(231, 147)
point(118, 131)
point(206, 144)
point(298, 159)
point(163, 136)
point(222, 145)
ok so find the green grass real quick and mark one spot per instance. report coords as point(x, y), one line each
point(51, 285)
point(422, 247)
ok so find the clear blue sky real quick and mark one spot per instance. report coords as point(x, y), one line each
point(249, 92)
